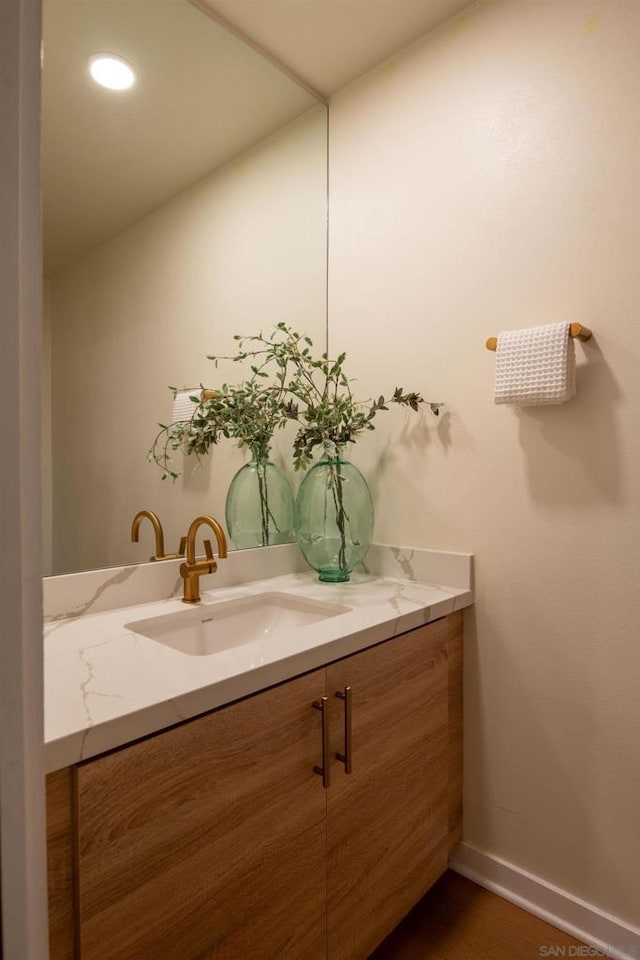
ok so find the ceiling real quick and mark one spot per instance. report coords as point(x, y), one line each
point(108, 159)
point(328, 43)
point(203, 94)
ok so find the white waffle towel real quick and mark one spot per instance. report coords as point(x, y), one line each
point(536, 365)
point(183, 405)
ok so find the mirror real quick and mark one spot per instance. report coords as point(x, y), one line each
point(176, 213)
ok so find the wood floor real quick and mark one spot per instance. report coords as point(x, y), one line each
point(458, 920)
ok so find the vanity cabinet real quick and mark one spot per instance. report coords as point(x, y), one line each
point(387, 820)
point(219, 839)
point(207, 839)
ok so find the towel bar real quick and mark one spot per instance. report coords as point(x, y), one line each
point(576, 331)
point(204, 394)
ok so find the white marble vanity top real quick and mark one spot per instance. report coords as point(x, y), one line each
point(106, 685)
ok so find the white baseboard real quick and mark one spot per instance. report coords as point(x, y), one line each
point(585, 922)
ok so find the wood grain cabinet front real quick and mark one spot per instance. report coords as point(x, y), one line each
point(219, 840)
point(387, 817)
point(208, 840)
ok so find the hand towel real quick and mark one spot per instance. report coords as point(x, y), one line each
point(183, 405)
point(535, 366)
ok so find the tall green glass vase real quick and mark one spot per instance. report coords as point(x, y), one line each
point(259, 506)
point(333, 516)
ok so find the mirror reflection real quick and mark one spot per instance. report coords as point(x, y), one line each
point(177, 212)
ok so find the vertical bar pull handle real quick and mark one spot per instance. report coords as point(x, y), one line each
point(346, 757)
point(323, 771)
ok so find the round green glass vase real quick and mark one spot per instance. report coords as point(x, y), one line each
point(333, 516)
point(259, 506)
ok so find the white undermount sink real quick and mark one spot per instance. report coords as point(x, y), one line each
point(211, 628)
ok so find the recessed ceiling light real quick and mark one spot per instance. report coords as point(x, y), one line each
point(111, 71)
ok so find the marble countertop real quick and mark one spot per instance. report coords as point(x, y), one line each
point(106, 685)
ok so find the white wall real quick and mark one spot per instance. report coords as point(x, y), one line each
point(23, 921)
point(46, 453)
point(488, 178)
point(238, 252)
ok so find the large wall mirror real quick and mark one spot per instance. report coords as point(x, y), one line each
point(185, 209)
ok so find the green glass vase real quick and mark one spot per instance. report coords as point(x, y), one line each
point(259, 506)
point(333, 516)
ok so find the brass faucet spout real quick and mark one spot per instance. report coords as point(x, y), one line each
point(157, 529)
point(193, 568)
point(159, 535)
point(219, 535)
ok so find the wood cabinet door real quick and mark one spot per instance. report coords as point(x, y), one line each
point(208, 840)
point(387, 820)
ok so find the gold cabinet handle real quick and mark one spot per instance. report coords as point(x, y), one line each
point(323, 771)
point(346, 757)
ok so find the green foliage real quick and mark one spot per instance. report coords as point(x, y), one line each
point(246, 413)
point(288, 382)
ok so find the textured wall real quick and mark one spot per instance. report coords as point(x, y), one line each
point(487, 178)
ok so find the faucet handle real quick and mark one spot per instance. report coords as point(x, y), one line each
point(179, 555)
point(208, 549)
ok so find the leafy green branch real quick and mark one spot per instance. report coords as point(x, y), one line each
point(287, 382)
point(315, 392)
point(247, 413)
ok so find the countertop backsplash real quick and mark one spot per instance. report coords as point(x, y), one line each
point(95, 591)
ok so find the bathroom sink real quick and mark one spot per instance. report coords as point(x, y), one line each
point(211, 628)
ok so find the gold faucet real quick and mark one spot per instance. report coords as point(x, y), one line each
point(193, 569)
point(159, 534)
